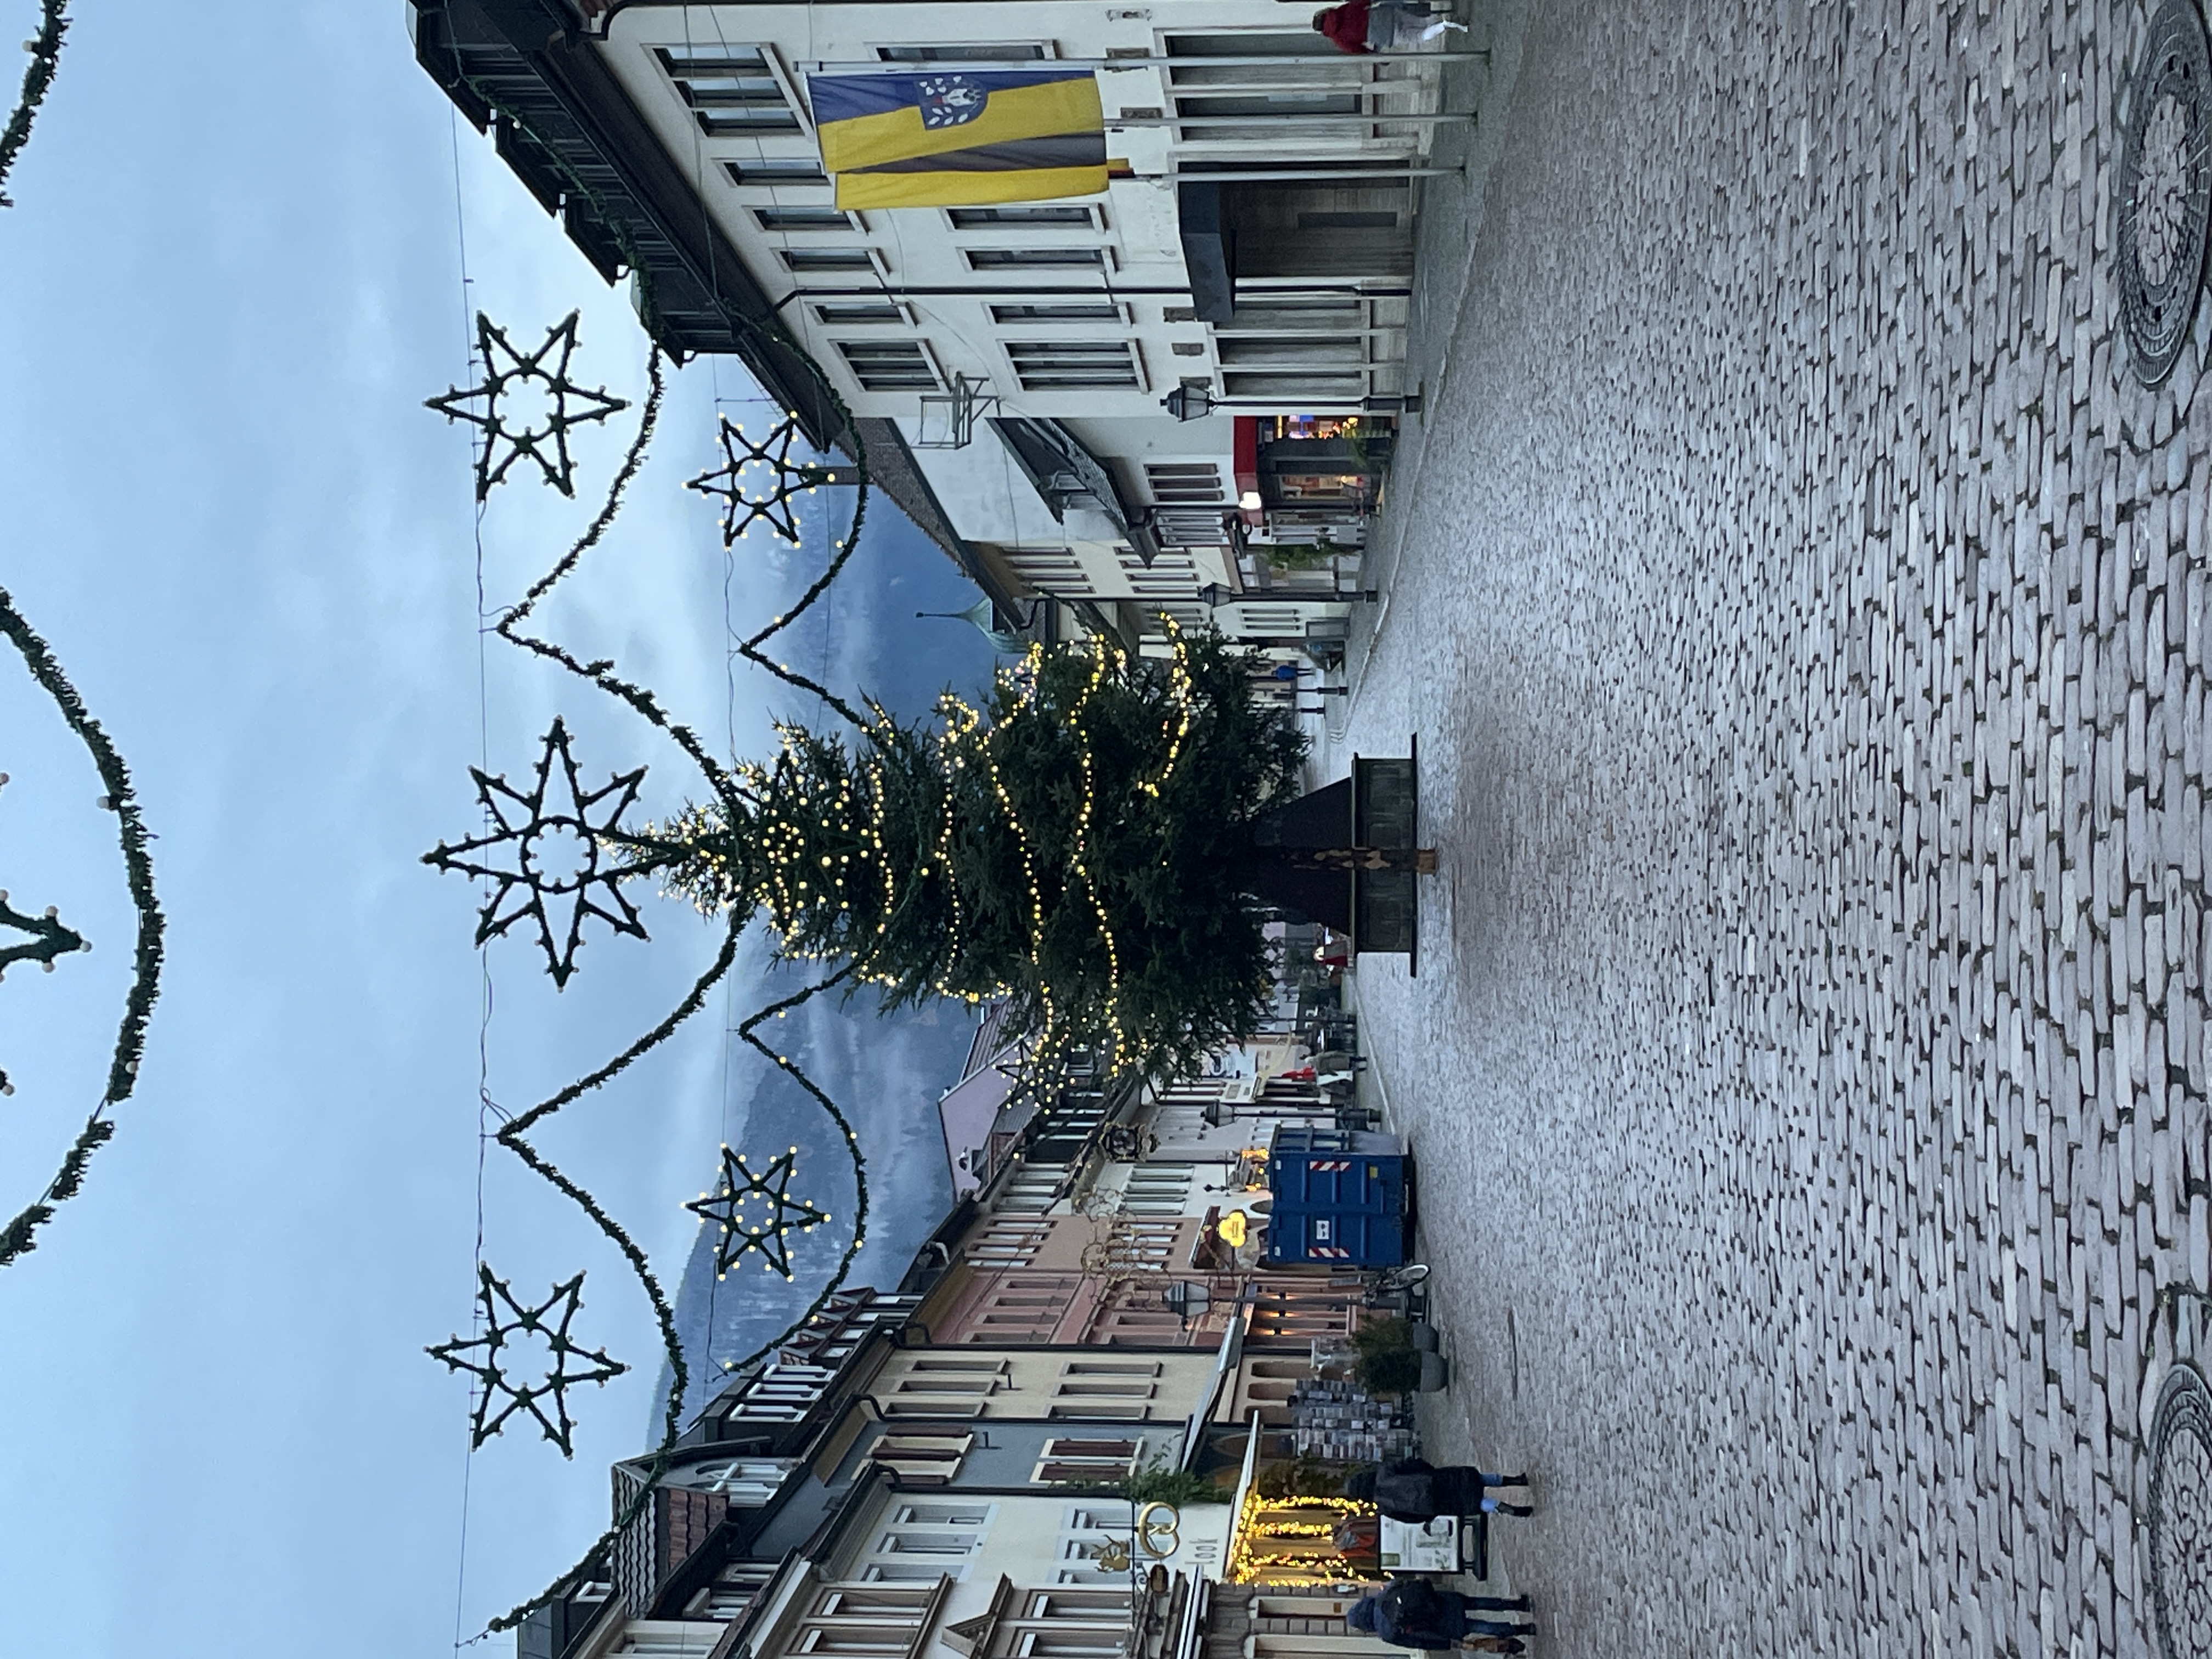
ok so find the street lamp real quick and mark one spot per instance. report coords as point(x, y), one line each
point(1189, 402)
point(1186, 1300)
point(1193, 401)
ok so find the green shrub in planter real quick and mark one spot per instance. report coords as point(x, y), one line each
point(1388, 1361)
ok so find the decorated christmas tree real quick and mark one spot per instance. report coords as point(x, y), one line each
point(1077, 846)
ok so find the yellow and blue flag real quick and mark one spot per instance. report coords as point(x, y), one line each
point(960, 137)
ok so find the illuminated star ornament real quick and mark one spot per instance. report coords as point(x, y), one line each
point(504, 1320)
point(776, 1214)
point(551, 868)
point(562, 405)
point(789, 480)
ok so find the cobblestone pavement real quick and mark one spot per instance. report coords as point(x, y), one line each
point(1804, 619)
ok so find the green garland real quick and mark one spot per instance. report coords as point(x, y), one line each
point(46, 49)
point(601, 674)
point(770, 332)
point(17, 1238)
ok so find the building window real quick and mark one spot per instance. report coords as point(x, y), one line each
point(747, 1482)
point(1036, 258)
point(926, 1543)
point(731, 90)
point(1072, 1624)
point(870, 1617)
point(669, 1638)
point(920, 1458)
point(731, 1592)
point(838, 311)
point(888, 365)
point(767, 170)
point(1071, 310)
point(1059, 365)
point(852, 1638)
point(802, 218)
point(942, 1515)
point(1087, 1459)
point(985, 52)
point(801, 260)
point(1046, 213)
point(949, 1385)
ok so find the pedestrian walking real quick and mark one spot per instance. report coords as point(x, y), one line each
point(1412, 1613)
point(1416, 1490)
point(1360, 25)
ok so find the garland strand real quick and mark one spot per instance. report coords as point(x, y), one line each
point(629, 1512)
point(45, 50)
point(15, 1238)
point(601, 674)
point(771, 333)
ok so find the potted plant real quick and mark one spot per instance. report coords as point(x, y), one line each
point(1391, 1359)
point(1387, 1362)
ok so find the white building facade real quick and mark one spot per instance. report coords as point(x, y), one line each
point(1253, 254)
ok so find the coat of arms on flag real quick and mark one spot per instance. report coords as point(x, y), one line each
point(949, 101)
point(962, 138)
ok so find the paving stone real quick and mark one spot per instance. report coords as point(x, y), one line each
point(1802, 615)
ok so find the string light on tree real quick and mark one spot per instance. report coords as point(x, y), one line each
point(545, 439)
point(774, 1213)
point(505, 1319)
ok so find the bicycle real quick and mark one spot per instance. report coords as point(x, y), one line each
point(1393, 1287)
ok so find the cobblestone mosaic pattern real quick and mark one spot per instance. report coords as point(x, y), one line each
point(2181, 1513)
point(1804, 615)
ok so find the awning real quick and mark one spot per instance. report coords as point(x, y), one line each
point(1065, 474)
point(1241, 1502)
point(1224, 1361)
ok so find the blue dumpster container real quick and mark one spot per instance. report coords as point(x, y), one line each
point(1339, 1198)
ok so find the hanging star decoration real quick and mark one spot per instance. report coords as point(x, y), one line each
point(571, 885)
point(544, 437)
point(500, 1329)
point(779, 1212)
point(42, 939)
point(790, 478)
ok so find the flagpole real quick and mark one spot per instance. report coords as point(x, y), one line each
point(953, 66)
point(1360, 117)
point(1246, 175)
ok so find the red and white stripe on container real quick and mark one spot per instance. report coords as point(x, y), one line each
point(1329, 1165)
point(1328, 1252)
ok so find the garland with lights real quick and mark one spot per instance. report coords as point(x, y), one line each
point(17, 1237)
point(45, 50)
point(641, 700)
point(1057, 846)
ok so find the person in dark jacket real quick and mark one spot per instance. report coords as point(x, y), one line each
point(1362, 26)
point(1412, 1613)
point(1414, 1489)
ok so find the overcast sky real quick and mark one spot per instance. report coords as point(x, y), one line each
point(232, 275)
